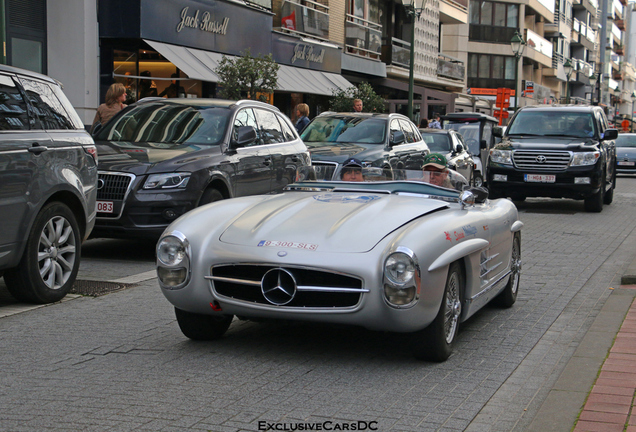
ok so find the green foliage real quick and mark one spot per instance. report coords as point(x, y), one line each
point(342, 100)
point(246, 76)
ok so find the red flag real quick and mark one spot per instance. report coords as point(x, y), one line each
point(289, 22)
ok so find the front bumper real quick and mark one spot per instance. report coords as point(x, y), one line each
point(567, 184)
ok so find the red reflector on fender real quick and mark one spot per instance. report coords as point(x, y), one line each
point(216, 307)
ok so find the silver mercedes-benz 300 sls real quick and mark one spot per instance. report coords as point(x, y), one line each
point(390, 253)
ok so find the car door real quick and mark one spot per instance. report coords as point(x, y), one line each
point(285, 149)
point(607, 146)
point(253, 175)
point(25, 158)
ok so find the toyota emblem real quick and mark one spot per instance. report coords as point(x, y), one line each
point(278, 286)
point(541, 159)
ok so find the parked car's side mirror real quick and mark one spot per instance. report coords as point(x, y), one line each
point(244, 136)
point(483, 144)
point(459, 148)
point(397, 137)
point(610, 134)
point(497, 131)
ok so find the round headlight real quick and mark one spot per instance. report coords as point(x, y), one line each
point(171, 251)
point(399, 268)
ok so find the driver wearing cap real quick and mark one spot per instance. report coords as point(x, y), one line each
point(352, 171)
point(437, 173)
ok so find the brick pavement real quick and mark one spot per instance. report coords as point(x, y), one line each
point(610, 405)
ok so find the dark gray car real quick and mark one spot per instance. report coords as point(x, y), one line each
point(160, 158)
point(48, 186)
point(626, 153)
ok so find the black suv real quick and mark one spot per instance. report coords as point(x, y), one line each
point(558, 152)
point(160, 158)
point(48, 185)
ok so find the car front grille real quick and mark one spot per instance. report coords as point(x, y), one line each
point(541, 160)
point(312, 289)
point(112, 186)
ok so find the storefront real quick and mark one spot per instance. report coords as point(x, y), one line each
point(150, 44)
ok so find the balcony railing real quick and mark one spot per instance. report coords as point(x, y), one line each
point(363, 37)
point(620, 24)
point(539, 43)
point(400, 53)
point(450, 67)
point(311, 19)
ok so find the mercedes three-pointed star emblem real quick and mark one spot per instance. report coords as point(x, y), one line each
point(278, 286)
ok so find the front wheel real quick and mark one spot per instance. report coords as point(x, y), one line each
point(202, 327)
point(49, 266)
point(508, 296)
point(435, 342)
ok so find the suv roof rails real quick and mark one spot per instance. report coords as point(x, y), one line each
point(250, 101)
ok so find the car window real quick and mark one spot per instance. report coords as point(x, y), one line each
point(47, 106)
point(270, 130)
point(323, 129)
point(287, 129)
point(13, 109)
point(163, 125)
point(437, 142)
point(369, 130)
point(626, 140)
point(408, 131)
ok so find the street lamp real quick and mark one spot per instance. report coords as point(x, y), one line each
point(518, 45)
point(414, 11)
point(593, 80)
point(632, 116)
point(567, 68)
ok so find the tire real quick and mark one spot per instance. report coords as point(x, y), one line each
point(51, 259)
point(594, 203)
point(435, 342)
point(201, 327)
point(478, 180)
point(210, 196)
point(508, 296)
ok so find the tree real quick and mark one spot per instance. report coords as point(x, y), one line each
point(342, 100)
point(247, 76)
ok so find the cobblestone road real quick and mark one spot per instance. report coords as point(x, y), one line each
point(119, 362)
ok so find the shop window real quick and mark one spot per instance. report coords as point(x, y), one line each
point(27, 54)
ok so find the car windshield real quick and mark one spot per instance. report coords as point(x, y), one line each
point(385, 178)
point(470, 133)
point(626, 141)
point(168, 124)
point(341, 129)
point(437, 142)
point(552, 123)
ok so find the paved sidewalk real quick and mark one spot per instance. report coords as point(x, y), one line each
point(610, 404)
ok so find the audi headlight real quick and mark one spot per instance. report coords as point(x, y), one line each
point(167, 181)
point(401, 278)
point(585, 158)
point(173, 260)
point(501, 156)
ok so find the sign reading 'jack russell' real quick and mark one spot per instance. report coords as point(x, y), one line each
point(205, 23)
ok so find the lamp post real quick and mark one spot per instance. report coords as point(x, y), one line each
point(567, 68)
point(632, 116)
point(414, 12)
point(593, 80)
point(518, 45)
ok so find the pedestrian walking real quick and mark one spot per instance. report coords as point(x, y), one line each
point(302, 114)
point(435, 124)
point(115, 97)
point(423, 123)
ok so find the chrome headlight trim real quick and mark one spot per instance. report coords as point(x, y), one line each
point(409, 289)
point(166, 268)
point(585, 158)
point(501, 156)
point(174, 180)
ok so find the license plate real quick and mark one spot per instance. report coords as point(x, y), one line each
point(626, 163)
point(539, 178)
point(104, 206)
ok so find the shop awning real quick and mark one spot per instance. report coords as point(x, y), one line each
point(200, 65)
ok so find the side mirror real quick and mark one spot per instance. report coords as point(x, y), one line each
point(483, 144)
point(459, 148)
point(497, 131)
point(397, 137)
point(244, 136)
point(610, 134)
